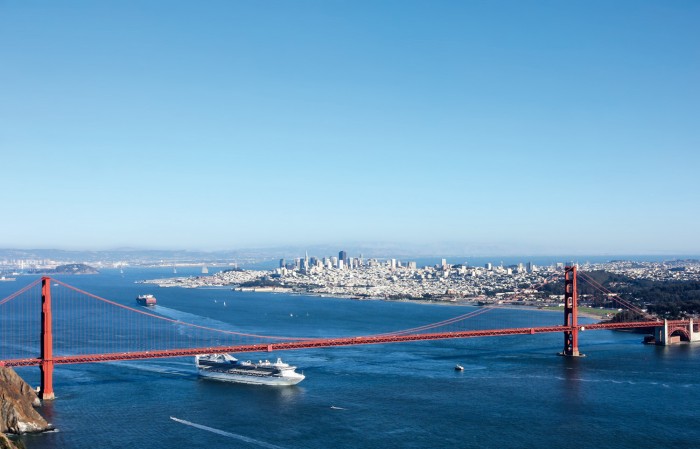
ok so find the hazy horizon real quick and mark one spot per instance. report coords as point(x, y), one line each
point(368, 251)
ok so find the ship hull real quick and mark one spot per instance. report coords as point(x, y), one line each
point(280, 381)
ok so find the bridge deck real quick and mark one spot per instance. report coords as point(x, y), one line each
point(328, 343)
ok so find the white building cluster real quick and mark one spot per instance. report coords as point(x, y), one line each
point(393, 279)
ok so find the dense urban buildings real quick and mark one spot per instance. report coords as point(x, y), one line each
point(521, 283)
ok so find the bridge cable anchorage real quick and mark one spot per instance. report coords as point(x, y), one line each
point(615, 297)
point(183, 323)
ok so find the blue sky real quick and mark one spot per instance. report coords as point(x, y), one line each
point(521, 127)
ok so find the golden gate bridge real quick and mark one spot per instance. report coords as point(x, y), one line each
point(75, 326)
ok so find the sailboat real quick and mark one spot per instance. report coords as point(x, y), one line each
point(205, 270)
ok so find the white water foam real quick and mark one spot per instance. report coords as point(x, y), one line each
point(226, 434)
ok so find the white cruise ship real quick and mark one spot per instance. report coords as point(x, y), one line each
point(226, 368)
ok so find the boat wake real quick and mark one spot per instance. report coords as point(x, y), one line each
point(226, 434)
point(191, 318)
point(152, 368)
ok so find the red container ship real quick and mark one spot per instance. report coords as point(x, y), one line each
point(146, 300)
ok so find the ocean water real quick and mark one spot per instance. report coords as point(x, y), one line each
point(515, 392)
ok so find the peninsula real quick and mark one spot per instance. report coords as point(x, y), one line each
point(17, 402)
point(522, 284)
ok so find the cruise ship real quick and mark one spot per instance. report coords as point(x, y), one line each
point(227, 368)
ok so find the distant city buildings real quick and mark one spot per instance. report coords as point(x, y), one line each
point(519, 284)
point(325, 267)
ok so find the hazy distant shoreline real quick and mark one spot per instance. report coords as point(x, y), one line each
point(292, 292)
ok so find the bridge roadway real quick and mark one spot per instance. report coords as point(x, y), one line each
point(327, 343)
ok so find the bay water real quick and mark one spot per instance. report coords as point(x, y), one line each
point(514, 392)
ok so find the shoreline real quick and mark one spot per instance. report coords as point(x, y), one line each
point(450, 302)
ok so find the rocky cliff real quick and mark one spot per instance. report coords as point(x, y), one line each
point(6, 443)
point(17, 401)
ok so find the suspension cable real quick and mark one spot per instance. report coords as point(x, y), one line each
point(19, 292)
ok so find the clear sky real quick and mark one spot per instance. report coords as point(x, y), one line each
point(520, 126)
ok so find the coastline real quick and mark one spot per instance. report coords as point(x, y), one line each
point(449, 302)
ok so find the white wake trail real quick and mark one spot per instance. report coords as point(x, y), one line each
point(226, 434)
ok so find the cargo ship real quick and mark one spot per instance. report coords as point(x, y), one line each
point(146, 300)
point(226, 368)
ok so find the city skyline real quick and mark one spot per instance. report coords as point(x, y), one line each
point(488, 128)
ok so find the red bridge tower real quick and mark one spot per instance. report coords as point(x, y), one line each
point(46, 341)
point(570, 313)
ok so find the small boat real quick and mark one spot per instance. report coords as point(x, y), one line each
point(459, 367)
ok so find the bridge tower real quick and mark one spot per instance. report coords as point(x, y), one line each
point(46, 366)
point(570, 313)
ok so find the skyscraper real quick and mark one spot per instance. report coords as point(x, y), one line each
point(344, 257)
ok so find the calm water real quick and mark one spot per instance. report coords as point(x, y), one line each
point(515, 392)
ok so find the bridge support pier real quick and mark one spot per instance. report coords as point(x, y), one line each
point(570, 313)
point(46, 392)
point(663, 335)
